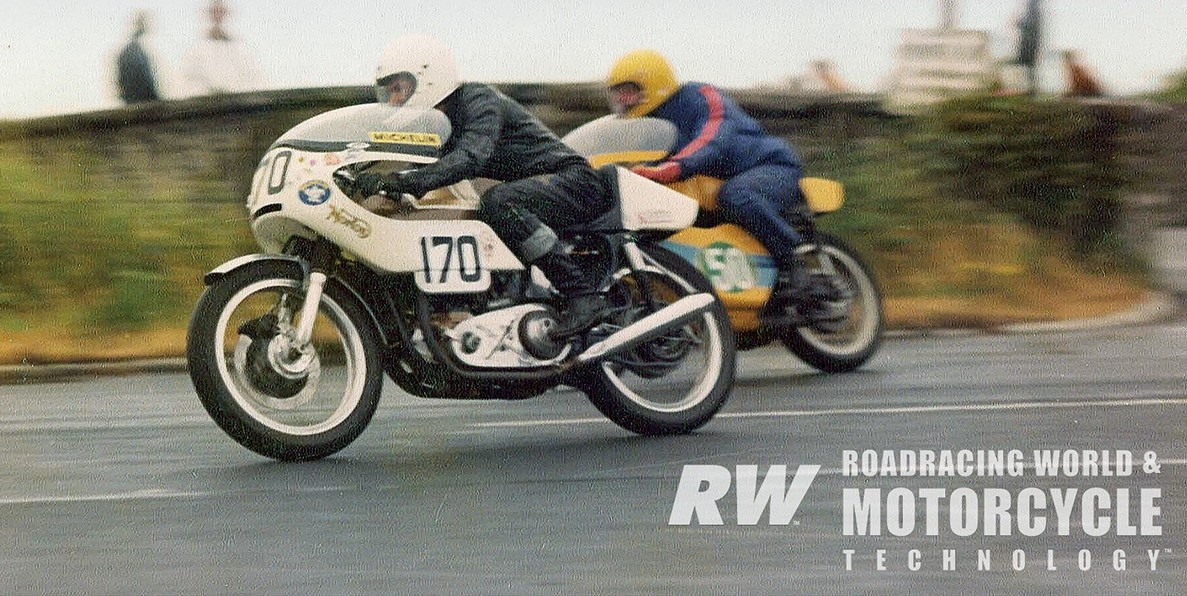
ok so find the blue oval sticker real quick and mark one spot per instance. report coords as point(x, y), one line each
point(314, 192)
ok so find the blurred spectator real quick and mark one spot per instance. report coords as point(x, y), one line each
point(1080, 80)
point(1029, 39)
point(823, 77)
point(218, 63)
point(135, 74)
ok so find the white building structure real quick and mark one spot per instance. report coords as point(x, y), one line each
point(936, 64)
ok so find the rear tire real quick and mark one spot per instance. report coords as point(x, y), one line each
point(674, 384)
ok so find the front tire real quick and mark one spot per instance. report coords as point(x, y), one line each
point(272, 397)
point(674, 384)
point(843, 346)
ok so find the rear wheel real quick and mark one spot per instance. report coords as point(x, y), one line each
point(273, 396)
point(677, 382)
point(847, 343)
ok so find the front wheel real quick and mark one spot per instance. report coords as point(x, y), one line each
point(845, 344)
point(677, 382)
point(275, 397)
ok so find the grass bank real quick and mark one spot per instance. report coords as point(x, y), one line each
point(96, 271)
point(947, 261)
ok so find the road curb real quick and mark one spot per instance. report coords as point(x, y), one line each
point(1157, 307)
point(40, 373)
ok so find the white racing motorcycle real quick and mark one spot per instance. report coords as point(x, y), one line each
point(287, 348)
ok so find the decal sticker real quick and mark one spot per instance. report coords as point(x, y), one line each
point(727, 267)
point(341, 216)
point(406, 138)
point(314, 192)
point(655, 217)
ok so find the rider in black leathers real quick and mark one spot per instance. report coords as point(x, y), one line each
point(547, 186)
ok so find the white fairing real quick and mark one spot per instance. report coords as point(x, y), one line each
point(448, 255)
point(612, 135)
point(648, 205)
point(294, 194)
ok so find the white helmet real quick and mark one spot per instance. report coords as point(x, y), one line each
point(423, 65)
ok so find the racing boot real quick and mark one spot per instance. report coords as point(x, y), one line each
point(814, 295)
point(585, 306)
point(582, 311)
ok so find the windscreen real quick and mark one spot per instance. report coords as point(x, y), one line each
point(613, 135)
point(372, 126)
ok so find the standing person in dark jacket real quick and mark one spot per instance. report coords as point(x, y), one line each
point(1029, 39)
point(134, 71)
point(546, 185)
point(715, 137)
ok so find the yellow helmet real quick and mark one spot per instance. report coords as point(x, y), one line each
point(651, 72)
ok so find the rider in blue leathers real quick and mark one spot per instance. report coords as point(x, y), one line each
point(715, 137)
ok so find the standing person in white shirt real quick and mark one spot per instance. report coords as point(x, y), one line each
point(218, 63)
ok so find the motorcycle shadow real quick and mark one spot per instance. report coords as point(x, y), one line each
point(806, 379)
point(521, 457)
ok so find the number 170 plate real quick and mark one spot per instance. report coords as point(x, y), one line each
point(451, 264)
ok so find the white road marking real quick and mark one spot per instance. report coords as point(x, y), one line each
point(1033, 405)
point(148, 494)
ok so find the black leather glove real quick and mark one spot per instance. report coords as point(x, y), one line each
point(374, 183)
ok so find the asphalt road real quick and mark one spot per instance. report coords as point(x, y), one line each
point(123, 485)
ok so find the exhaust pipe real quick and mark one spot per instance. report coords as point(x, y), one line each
point(649, 327)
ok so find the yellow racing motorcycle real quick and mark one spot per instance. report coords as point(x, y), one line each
point(742, 271)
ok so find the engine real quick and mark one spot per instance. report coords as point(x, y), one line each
point(508, 338)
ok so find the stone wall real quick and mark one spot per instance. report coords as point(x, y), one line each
point(206, 149)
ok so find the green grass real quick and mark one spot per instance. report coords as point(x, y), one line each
point(87, 259)
point(951, 260)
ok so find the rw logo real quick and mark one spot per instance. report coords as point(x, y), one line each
point(701, 486)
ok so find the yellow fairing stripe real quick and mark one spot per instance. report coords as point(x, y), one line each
point(731, 233)
point(626, 157)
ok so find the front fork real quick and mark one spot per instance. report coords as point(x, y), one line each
point(322, 255)
point(314, 289)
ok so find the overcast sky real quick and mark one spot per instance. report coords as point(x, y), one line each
point(56, 56)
